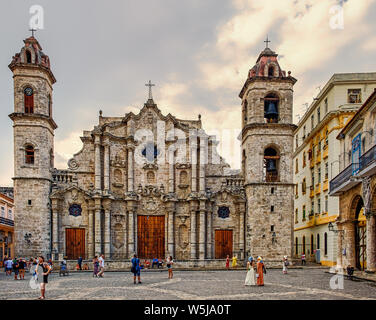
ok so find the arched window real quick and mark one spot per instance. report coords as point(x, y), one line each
point(49, 106)
point(318, 241)
point(325, 243)
point(311, 243)
point(271, 165)
point(29, 154)
point(245, 110)
point(271, 104)
point(296, 246)
point(28, 56)
point(29, 100)
point(271, 71)
point(303, 249)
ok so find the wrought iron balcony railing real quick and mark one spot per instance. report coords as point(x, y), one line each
point(368, 158)
point(344, 176)
point(7, 222)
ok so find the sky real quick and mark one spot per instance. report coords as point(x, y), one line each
point(197, 52)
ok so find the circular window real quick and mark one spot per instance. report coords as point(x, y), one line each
point(223, 212)
point(28, 91)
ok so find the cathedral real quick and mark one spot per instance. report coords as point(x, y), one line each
point(153, 184)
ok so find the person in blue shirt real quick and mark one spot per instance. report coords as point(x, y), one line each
point(136, 269)
point(155, 262)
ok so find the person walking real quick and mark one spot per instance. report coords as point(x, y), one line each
point(234, 261)
point(46, 271)
point(79, 262)
point(95, 266)
point(169, 263)
point(285, 264)
point(250, 278)
point(15, 268)
point(260, 269)
point(21, 268)
point(228, 262)
point(101, 265)
point(8, 267)
point(136, 269)
point(303, 259)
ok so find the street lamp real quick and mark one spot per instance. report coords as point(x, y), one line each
point(331, 228)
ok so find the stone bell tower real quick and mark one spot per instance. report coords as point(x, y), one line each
point(267, 162)
point(33, 137)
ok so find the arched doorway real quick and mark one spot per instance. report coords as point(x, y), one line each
point(360, 236)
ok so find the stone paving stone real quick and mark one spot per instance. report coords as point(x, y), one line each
point(302, 284)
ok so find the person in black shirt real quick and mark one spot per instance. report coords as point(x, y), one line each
point(21, 268)
point(15, 268)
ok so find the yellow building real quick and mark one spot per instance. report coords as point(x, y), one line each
point(6, 224)
point(316, 161)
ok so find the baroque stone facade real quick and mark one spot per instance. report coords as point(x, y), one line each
point(148, 183)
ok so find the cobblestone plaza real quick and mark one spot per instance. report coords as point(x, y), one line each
point(301, 284)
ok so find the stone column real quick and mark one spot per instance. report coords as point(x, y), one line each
point(55, 226)
point(193, 234)
point(193, 150)
point(202, 164)
point(241, 230)
point(171, 182)
point(339, 246)
point(106, 167)
point(371, 243)
point(349, 243)
point(97, 146)
point(90, 239)
point(202, 231)
point(171, 227)
point(98, 227)
point(131, 240)
point(130, 170)
point(209, 232)
point(107, 233)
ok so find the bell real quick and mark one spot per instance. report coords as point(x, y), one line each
point(270, 166)
point(271, 111)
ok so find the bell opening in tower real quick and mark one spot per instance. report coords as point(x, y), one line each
point(271, 164)
point(271, 114)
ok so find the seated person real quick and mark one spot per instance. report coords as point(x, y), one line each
point(147, 264)
point(160, 263)
point(85, 267)
point(350, 272)
point(155, 263)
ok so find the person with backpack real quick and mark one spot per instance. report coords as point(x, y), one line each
point(136, 269)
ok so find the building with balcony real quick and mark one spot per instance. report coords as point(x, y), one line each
point(6, 224)
point(316, 160)
point(355, 187)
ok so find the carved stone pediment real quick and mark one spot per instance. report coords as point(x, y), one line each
point(183, 166)
point(150, 166)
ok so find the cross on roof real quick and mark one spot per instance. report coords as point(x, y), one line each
point(267, 41)
point(150, 85)
point(32, 31)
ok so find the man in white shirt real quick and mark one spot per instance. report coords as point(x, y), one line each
point(101, 265)
point(8, 266)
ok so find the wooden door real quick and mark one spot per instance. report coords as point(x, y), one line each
point(223, 244)
point(151, 237)
point(75, 243)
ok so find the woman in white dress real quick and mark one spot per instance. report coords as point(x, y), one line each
point(250, 278)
